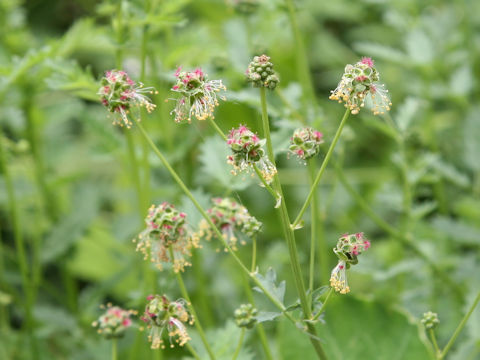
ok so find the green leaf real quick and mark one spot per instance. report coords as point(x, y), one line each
point(356, 329)
point(471, 135)
point(406, 113)
point(269, 283)
point(264, 316)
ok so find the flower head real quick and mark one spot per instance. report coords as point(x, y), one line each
point(167, 238)
point(247, 151)
point(305, 143)
point(260, 73)
point(162, 315)
point(245, 316)
point(232, 219)
point(120, 94)
point(359, 84)
point(348, 248)
point(430, 320)
point(198, 95)
point(114, 321)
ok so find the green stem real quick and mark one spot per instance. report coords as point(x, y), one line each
point(239, 345)
point(119, 35)
point(260, 329)
point(19, 245)
point(254, 254)
point(406, 240)
point(459, 328)
point(192, 351)
point(324, 305)
point(313, 234)
point(210, 222)
point(198, 325)
point(217, 129)
point(289, 235)
point(434, 342)
point(114, 349)
point(303, 67)
point(322, 168)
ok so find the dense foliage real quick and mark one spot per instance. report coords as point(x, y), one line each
point(75, 189)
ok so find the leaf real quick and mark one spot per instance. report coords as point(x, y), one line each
point(419, 47)
point(347, 337)
point(461, 81)
point(264, 316)
point(380, 51)
point(423, 209)
point(406, 113)
point(73, 225)
point(223, 342)
point(471, 134)
point(457, 230)
point(269, 283)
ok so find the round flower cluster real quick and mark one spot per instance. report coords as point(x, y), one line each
point(198, 95)
point(232, 219)
point(359, 83)
point(120, 94)
point(245, 316)
point(162, 315)
point(114, 322)
point(260, 73)
point(430, 320)
point(247, 151)
point(347, 250)
point(167, 238)
point(305, 143)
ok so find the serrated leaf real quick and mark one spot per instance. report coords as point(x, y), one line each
point(457, 230)
point(420, 211)
point(269, 283)
point(471, 134)
point(264, 316)
point(406, 113)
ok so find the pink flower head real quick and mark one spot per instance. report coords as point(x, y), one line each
point(177, 72)
point(367, 61)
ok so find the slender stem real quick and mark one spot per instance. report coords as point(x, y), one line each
point(434, 342)
point(239, 345)
point(260, 329)
point(192, 351)
point(18, 238)
point(459, 328)
point(186, 296)
point(406, 240)
point(313, 233)
point(217, 128)
point(322, 168)
point(303, 67)
point(324, 305)
point(114, 349)
point(254, 254)
point(119, 35)
point(204, 214)
point(198, 326)
point(289, 235)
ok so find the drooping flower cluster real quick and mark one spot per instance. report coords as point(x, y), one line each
point(247, 151)
point(120, 95)
point(349, 246)
point(161, 315)
point(359, 84)
point(114, 321)
point(260, 73)
point(232, 219)
point(167, 238)
point(305, 143)
point(198, 95)
point(245, 316)
point(430, 320)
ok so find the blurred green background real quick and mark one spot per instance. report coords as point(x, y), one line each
point(70, 195)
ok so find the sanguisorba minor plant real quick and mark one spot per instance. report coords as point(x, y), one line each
point(169, 239)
